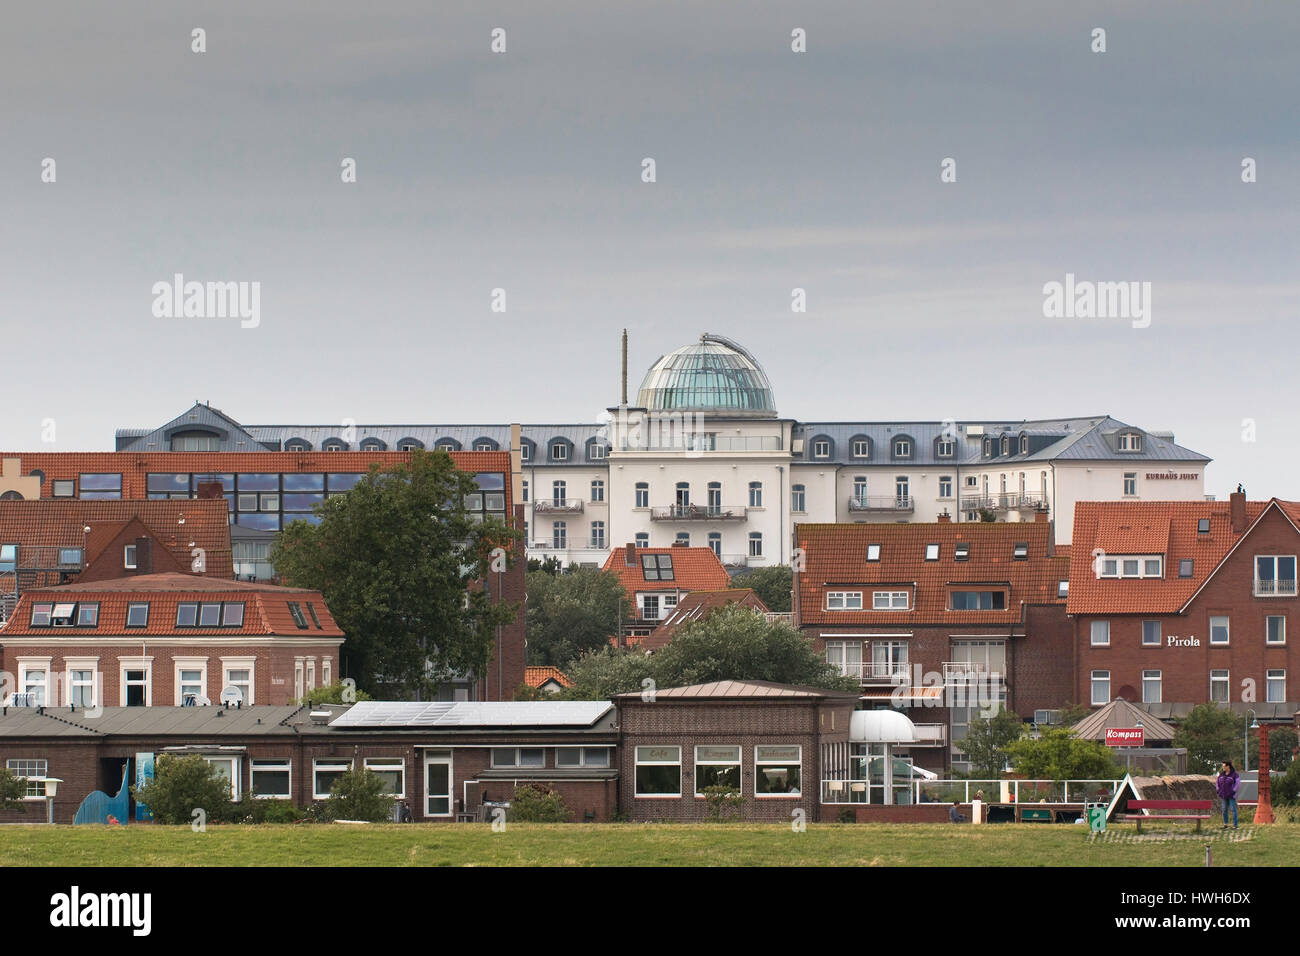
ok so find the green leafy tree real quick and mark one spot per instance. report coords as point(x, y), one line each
point(1286, 789)
point(333, 694)
point(1211, 736)
point(1281, 748)
point(773, 584)
point(987, 741)
point(550, 565)
point(12, 791)
point(396, 558)
point(537, 803)
point(731, 643)
point(359, 795)
point(571, 614)
point(1059, 755)
point(182, 785)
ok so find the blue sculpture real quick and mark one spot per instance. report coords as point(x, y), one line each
point(98, 805)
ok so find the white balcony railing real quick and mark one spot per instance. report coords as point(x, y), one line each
point(894, 503)
point(874, 672)
point(544, 506)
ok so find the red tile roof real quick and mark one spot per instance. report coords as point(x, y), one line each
point(835, 558)
point(266, 608)
point(697, 605)
point(694, 569)
point(41, 528)
point(537, 676)
point(1135, 527)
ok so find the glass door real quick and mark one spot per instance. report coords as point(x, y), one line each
point(437, 783)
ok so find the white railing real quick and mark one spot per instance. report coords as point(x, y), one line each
point(1003, 792)
point(890, 673)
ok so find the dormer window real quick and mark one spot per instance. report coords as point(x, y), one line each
point(1006, 445)
point(988, 447)
point(595, 451)
point(334, 444)
point(902, 448)
point(559, 451)
point(1024, 444)
point(372, 444)
point(861, 448)
point(1130, 441)
point(945, 448)
point(1133, 566)
point(526, 451)
point(297, 444)
point(129, 557)
point(821, 448)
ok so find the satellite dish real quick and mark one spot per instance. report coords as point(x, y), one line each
point(232, 696)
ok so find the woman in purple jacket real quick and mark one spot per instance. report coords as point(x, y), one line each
point(1226, 783)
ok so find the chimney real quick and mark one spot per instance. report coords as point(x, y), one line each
point(1237, 509)
point(629, 555)
point(143, 555)
point(1040, 516)
point(680, 544)
point(944, 518)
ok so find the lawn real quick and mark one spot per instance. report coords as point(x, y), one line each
point(636, 845)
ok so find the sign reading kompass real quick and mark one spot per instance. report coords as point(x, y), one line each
point(1123, 736)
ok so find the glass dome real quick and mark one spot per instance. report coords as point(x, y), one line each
point(712, 375)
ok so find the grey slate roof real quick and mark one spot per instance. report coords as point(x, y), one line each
point(150, 721)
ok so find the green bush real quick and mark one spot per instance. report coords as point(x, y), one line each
point(723, 802)
point(847, 815)
point(537, 803)
point(250, 809)
point(359, 795)
point(183, 784)
point(1286, 789)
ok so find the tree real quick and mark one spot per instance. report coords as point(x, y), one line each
point(773, 584)
point(550, 565)
point(12, 791)
point(731, 643)
point(395, 559)
point(572, 613)
point(1057, 754)
point(987, 740)
point(359, 795)
point(1211, 736)
point(1282, 743)
point(333, 694)
point(182, 785)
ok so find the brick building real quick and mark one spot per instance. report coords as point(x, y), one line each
point(656, 578)
point(158, 639)
point(940, 621)
point(695, 605)
point(1176, 604)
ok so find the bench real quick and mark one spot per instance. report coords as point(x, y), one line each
point(1036, 815)
point(1184, 805)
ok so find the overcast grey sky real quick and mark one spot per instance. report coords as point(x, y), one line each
point(775, 170)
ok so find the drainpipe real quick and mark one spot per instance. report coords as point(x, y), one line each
point(780, 494)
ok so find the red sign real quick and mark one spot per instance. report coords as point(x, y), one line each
point(1123, 736)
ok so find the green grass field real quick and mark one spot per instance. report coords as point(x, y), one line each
point(638, 845)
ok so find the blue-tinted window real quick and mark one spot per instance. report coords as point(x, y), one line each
point(490, 481)
point(309, 518)
point(301, 502)
point(304, 481)
point(227, 481)
point(259, 482)
point(170, 483)
point(344, 482)
point(100, 487)
point(259, 522)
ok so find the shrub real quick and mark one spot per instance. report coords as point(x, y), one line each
point(249, 809)
point(537, 803)
point(1286, 789)
point(359, 795)
point(847, 815)
point(183, 784)
point(723, 802)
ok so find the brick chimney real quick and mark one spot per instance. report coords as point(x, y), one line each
point(144, 555)
point(1237, 509)
point(629, 555)
point(944, 518)
point(1040, 516)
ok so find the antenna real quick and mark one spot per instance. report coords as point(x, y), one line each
point(624, 402)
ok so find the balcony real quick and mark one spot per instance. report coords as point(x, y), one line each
point(558, 506)
point(734, 560)
point(966, 672)
point(894, 504)
point(699, 513)
point(779, 617)
point(1003, 502)
point(877, 672)
point(1275, 588)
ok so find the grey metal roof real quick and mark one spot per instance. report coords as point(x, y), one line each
point(474, 714)
point(234, 436)
point(150, 721)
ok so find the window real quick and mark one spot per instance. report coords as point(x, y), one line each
point(135, 687)
point(843, 600)
point(972, 481)
point(325, 773)
point(901, 490)
point(34, 772)
point(756, 544)
point(1021, 551)
point(100, 487)
point(595, 451)
point(8, 557)
point(650, 607)
point(391, 770)
point(525, 490)
point(41, 614)
point(63, 615)
point(861, 448)
point(873, 552)
point(945, 448)
point(559, 451)
point(70, 556)
point(1152, 568)
point(1063, 589)
point(1275, 629)
point(32, 680)
point(642, 539)
point(87, 615)
point(1024, 445)
point(1006, 445)
point(1100, 687)
point(683, 495)
point(715, 497)
point(1203, 526)
point(797, 500)
point(1132, 566)
point(1100, 633)
point(777, 770)
point(210, 615)
point(1128, 441)
point(65, 489)
point(683, 539)
point(271, 778)
point(1130, 483)
point(1219, 686)
point(988, 447)
point(582, 756)
point(187, 614)
point(238, 673)
point(715, 543)
point(961, 552)
point(1150, 687)
point(642, 494)
point(191, 682)
point(932, 552)
point(1185, 567)
point(1151, 633)
point(717, 767)
point(598, 534)
point(597, 489)
point(1275, 576)
point(889, 600)
point(137, 615)
point(821, 448)
point(1275, 686)
point(232, 614)
point(81, 688)
point(559, 535)
point(559, 490)
point(945, 486)
point(845, 655)
point(1218, 630)
point(902, 448)
point(657, 567)
point(658, 771)
point(860, 489)
point(978, 600)
point(526, 451)
point(756, 494)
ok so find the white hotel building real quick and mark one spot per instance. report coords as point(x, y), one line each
point(703, 458)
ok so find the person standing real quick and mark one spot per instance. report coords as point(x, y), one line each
point(1226, 784)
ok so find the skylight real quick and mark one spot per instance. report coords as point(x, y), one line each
point(873, 552)
point(657, 567)
point(932, 552)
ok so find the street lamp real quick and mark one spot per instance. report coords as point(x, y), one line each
point(51, 789)
point(1245, 740)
